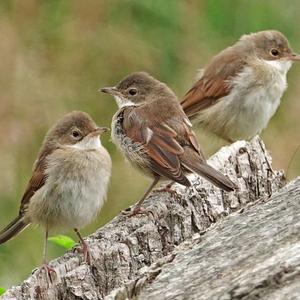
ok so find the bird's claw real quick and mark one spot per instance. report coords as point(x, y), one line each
point(167, 189)
point(137, 210)
point(85, 250)
point(48, 270)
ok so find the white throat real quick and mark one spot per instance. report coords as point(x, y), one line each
point(88, 143)
point(123, 102)
point(281, 66)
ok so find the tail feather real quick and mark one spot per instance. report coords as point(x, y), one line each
point(12, 229)
point(212, 175)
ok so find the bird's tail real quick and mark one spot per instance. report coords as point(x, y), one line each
point(191, 160)
point(215, 177)
point(12, 229)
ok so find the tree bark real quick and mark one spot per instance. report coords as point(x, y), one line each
point(129, 253)
point(250, 255)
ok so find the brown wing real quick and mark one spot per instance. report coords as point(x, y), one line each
point(189, 139)
point(37, 180)
point(159, 141)
point(214, 83)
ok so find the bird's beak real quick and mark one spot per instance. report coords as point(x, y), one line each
point(109, 90)
point(295, 57)
point(99, 131)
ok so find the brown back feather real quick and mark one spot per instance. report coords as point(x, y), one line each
point(214, 83)
point(163, 137)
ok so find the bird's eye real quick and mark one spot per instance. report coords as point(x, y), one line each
point(274, 52)
point(132, 92)
point(76, 134)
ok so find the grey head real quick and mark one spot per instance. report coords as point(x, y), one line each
point(138, 88)
point(268, 45)
point(73, 128)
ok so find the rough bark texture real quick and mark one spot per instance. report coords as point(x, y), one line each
point(129, 253)
point(250, 255)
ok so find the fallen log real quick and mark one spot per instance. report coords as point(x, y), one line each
point(124, 248)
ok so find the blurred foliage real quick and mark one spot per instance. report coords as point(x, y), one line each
point(57, 53)
point(2, 291)
point(62, 240)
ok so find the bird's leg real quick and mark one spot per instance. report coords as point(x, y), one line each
point(85, 247)
point(137, 208)
point(45, 265)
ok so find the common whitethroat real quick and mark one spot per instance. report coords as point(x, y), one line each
point(155, 135)
point(240, 89)
point(69, 181)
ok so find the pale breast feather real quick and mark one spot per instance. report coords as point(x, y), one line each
point(76, 188)
point(254, 98)
point(135, 152)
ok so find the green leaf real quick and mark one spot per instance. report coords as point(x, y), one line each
point(63, 241)
point(2, 290)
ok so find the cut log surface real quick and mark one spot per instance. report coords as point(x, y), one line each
point(174, 252)
point(252, 255)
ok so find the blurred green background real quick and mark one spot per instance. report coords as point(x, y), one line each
point(55, 55)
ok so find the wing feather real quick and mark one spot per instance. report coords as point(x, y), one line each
point(214, 83)
point(37, 179)
point(160, 143)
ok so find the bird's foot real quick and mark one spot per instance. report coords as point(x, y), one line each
point(137, 210)
point(86, 252)
point(85, 249)
point(167, 189)
point(48, 270)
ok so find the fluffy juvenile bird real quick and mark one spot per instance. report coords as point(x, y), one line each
point(240, 89)
point(155, 135)
point(69, 181)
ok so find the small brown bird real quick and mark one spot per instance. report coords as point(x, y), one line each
point(69, 181)
point(240, 89)
point(155, 135)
